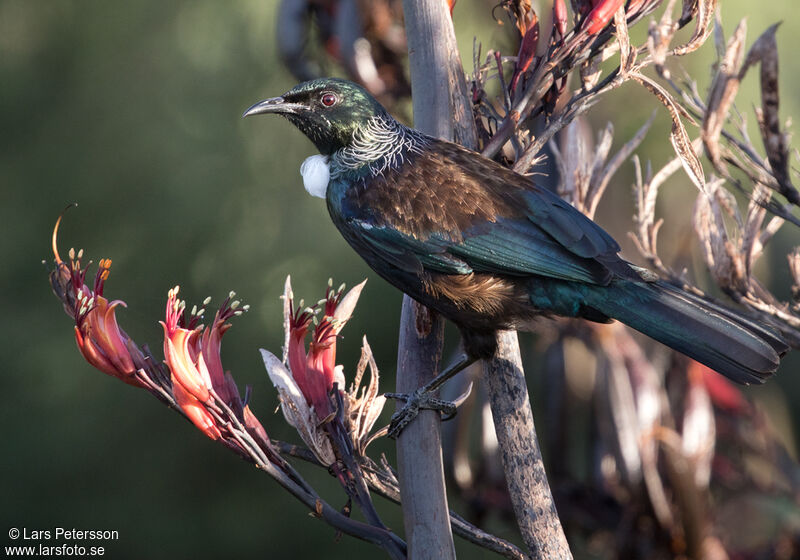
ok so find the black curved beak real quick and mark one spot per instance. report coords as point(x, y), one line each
point(273, 105)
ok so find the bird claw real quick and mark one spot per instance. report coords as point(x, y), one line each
point(419, 400)
point(415, 402)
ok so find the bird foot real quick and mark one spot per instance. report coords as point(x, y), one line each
point(419, 400)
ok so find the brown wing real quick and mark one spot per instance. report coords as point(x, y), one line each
point(450, 200)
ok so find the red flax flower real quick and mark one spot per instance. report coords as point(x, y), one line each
point(306, 379)
point(192, 353)
point(560, 17)
point(100, 339)
point(527, 50)
point(602, 13)
point(315, 371)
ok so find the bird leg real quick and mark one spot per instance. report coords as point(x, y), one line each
point(423, 398)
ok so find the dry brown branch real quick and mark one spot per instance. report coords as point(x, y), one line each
point(522, 459)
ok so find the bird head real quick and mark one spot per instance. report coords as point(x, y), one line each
point(327, 110)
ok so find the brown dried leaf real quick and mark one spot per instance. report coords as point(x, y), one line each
point(364, 403)
point(710, 228)
point(601, 149)
point(705, 25)
point(287, 312)
point(769, 230)
point(646, 236)
point(689, 9)
point(751, 232)
point(765, 47)
point(765, 51)
point(627, 55)
point(576, 152)
point(724, 253)
point(621, 407)
point(703, 220)
point(723, 91)
point(679, 137)
point(728, 203)
point(794, 267)
point(755, 235)
point(719, 35)
point(660, 35)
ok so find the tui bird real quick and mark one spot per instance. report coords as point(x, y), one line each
point(488, 248)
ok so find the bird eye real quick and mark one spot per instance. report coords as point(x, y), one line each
point(329, 99)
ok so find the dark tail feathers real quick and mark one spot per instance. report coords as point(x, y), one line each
point(720, 338)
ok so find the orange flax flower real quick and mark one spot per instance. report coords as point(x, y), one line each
point(192, 353)
point(100, 339)
point(191, 378)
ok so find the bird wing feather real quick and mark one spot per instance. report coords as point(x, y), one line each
point(510, 247)
point(514, 196)
point(479, 217)
point(517, 247)
point(403, 251)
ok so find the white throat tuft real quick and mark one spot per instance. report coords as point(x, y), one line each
point(316, 175)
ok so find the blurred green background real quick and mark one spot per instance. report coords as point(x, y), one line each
point(132, 110)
